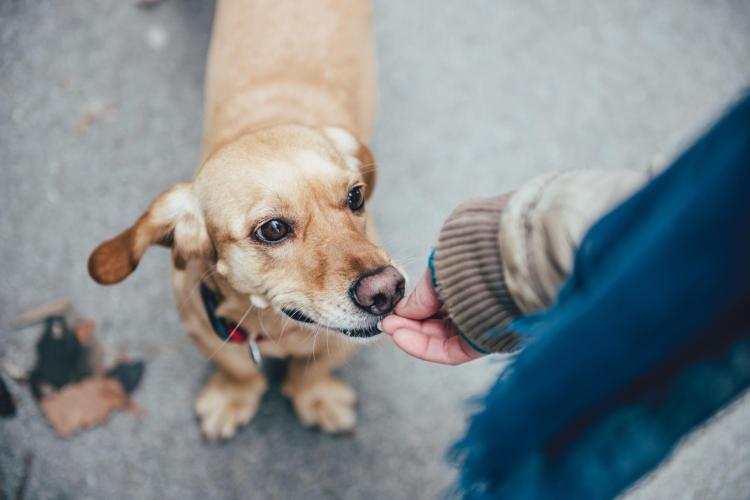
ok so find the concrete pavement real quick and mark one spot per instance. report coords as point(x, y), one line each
point(100, 109)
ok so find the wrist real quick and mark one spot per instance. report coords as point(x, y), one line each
point(468, 276)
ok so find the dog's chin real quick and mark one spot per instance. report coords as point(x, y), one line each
point(358, 334)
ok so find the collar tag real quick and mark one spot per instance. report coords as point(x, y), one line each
point(226, 330)
point(255, 354)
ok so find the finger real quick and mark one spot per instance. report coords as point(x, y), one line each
point(448, 351)
point(432, 327)
point(423, 302)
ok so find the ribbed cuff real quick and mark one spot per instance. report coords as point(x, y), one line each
point(469, 276)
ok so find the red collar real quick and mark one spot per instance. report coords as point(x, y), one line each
point(224, 328)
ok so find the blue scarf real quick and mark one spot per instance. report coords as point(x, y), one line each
point(650, 336)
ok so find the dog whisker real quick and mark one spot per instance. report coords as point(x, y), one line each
point(328, 350)
point(287, 322)
point(315, 339)
point(195, 287)
point(260, 322)
point(231, 334)
point(284, 323)
point(263, 329)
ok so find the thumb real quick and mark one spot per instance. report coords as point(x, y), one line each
point(423, 302)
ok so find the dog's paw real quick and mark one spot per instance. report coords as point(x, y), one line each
point(224, 405)
point(328, 403)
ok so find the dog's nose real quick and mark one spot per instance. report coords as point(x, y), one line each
point(379, 292)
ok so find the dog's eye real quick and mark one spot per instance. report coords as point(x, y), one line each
point(356, 199)
point(273, 231)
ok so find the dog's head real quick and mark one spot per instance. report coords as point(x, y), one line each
point(281, 213)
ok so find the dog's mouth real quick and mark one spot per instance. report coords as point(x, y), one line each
point(360, 333)
point(297, 315)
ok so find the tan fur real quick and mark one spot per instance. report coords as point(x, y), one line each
point(289, 61)
point(289, 105)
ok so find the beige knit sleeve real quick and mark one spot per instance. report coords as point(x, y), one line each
point(499, 258)
point(468, 274)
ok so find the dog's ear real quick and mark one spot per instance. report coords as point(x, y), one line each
point(357, 155)
point(174, 219)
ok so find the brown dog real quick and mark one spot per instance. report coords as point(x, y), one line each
point(274, 223)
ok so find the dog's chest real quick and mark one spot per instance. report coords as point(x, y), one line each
point(275, 335)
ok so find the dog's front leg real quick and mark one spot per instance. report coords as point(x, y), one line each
point(318, 397)
point(231, 396)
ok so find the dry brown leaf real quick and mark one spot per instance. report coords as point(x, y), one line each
point(83, 405)
point(84, 331)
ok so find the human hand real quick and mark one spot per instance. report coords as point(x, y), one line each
point(421, 328)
